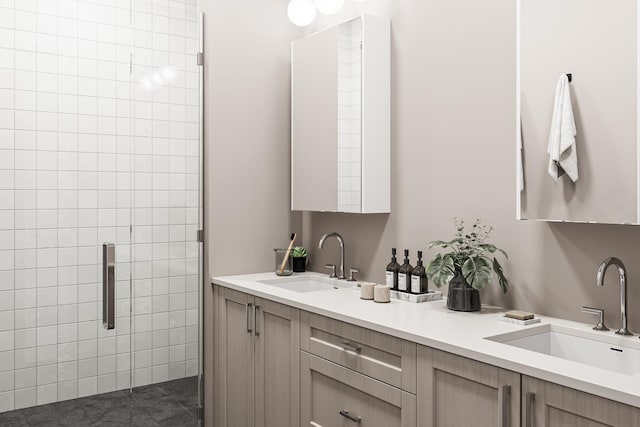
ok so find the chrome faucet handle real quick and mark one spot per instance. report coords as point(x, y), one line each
point(600, 326)
point(333, 270)
point(351, 271)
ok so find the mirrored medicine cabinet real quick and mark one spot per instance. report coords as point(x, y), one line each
point(596, 43)
point(340, 124)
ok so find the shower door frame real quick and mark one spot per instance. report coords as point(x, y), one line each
point(201, 226)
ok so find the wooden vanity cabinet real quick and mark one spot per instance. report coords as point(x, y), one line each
point(545, 404)
point(279, 367)
point(259, 362)
point(456, 391)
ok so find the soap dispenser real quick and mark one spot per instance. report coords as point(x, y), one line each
point(419, 284)
point(404, 274)
point(392, 271)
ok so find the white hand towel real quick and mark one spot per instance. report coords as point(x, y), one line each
point(563, 157)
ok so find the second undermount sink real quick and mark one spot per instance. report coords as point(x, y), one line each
point(599, 349)
point(307, 283)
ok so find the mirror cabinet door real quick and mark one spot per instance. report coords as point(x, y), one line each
point(340, 142)
point(314, 124)
point(596, 42)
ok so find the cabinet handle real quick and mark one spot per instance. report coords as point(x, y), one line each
point(248, 315)
point(255, 320)
point(350, 417)
point(354, 348)
point(506, 405)
point(528, 409)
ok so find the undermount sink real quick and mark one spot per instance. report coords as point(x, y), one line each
point(306, 283)
point(599, 349)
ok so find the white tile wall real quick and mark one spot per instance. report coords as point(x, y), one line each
point(86, 149)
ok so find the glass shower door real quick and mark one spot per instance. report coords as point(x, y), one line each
point(99, 144)
point(166, 201)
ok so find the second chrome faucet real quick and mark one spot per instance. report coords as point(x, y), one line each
point(622, 272)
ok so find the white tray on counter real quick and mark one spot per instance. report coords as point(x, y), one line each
point(417, 298)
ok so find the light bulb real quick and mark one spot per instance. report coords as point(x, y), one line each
point(329, 7)
point(301, 12)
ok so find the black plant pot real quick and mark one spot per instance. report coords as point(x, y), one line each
point(299, 264)
point(462, 297)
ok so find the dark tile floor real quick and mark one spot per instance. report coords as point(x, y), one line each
point(166, 404)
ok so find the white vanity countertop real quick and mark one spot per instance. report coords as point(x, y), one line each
point(433, 325)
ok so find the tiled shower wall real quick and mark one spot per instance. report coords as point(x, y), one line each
point(90, 145)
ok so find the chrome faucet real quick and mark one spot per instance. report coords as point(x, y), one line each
point(341, 241)
point(623, 289)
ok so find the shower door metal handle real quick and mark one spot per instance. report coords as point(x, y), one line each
point(108, 285)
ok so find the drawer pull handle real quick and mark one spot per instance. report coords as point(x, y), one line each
point(506, 405)
point(255, 320)
point(531, 398)
point(347, 346)
point(350, 417)
point(247, 309)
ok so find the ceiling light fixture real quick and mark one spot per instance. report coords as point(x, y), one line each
point(301, 12)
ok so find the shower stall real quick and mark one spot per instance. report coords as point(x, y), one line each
point(100, 197)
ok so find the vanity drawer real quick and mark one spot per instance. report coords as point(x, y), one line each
point(332, 396)
point(380, 356)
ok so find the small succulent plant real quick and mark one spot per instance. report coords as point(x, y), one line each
point(298, 252)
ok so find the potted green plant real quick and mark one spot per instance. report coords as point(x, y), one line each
point(467, 267)
point(299, 256)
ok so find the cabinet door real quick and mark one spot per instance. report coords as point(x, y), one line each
point(277, 365)
point(550, 405)
point(455, 391)
point(334, 396)
point(235, 354)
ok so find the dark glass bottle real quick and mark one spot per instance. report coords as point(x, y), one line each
point(392, 271)
point(419, 284)
point(404, 274)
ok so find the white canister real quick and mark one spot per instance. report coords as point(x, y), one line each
point(366, 290)
point(382, 293)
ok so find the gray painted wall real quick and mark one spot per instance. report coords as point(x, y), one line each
point(453, 154)
point(247, 139)
point(453, 89)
